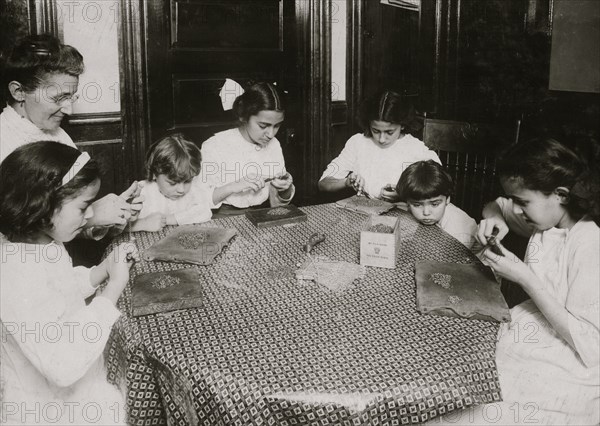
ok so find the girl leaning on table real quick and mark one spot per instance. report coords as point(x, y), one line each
point(52, 341)
point(548, 355)
point(375, 159)
point(173, 192)
point(427, 188)
point(245, 165)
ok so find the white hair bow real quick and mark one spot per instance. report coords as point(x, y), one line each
point(230, 90)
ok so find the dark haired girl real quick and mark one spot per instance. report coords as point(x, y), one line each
point(52, 366)
point(375, 159)
point(548, 356)
point(238, 163)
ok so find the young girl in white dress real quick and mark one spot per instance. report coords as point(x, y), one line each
point(173, 192)
point(376, 158)
point(52, 369)
point(548, 356)
point(245, 165)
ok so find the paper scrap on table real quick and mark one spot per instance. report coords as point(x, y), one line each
point(230, 90)
point(354, 402)
point(337, 276)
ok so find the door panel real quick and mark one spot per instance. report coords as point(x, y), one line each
point(193, 45)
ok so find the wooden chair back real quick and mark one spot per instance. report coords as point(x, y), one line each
point(469, 151)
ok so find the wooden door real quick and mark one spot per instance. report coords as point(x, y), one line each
point(193, 45)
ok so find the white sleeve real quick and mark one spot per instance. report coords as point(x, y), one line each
point(83, 278)
point(150, 204)
point(431, 155)
point(200, 204)
point(583, 300)
point(344, 163)
point(73, 341)
point(211, 170)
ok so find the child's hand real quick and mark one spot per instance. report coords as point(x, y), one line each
point(282, 183)
point(117, 265)
point(136, 207)
point(152, 223)
point(246, 184)
point(388, 193)
point(355, 181)
point(486, 229)
point(507, 265)
point(132, 196)
point(110, 210)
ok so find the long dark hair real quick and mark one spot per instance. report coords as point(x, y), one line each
point(386, 106)
point(35, 56)
point(544, 164)
point(31, 187)
point(258, 97)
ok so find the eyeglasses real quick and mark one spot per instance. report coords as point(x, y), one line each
point(62, 99)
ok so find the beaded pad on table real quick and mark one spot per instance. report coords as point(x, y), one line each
point(264, 349)
point(365, 205)
point(467, 291)
point(156, 292)
point(190, 244)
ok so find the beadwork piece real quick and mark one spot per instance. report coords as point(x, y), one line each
point(460, 290)
point(192, 240)
point(365, 205)
point(381, 228)
point(157, 292)
point(278, 211)
point(194, 244)
point(454, 299)
point(443, 280)
point(276, 216)
point(165, 281)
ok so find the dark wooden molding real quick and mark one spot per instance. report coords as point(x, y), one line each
point(101, 142)
point(355, 59)
point(339, 113)
point(134, 104)
point(45, 15)
point(439, 44)
point(94, 127)
point(314, 29)
point(95, 118)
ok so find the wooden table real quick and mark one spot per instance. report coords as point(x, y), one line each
point(266, 349)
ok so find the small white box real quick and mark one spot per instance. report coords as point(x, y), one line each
point(379, 248)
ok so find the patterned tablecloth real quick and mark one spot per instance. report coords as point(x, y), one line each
point(266, 349)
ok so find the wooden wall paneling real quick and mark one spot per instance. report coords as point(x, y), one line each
point(46, 18)
point(17, 20)
point(438, 44)
point(343, 113)
point(355, 63)
point(100, 130)
point(390, 49)
point(134, 107)
point(314, 31)
point(108, 154)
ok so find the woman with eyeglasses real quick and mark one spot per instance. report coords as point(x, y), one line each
point(40, 79)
